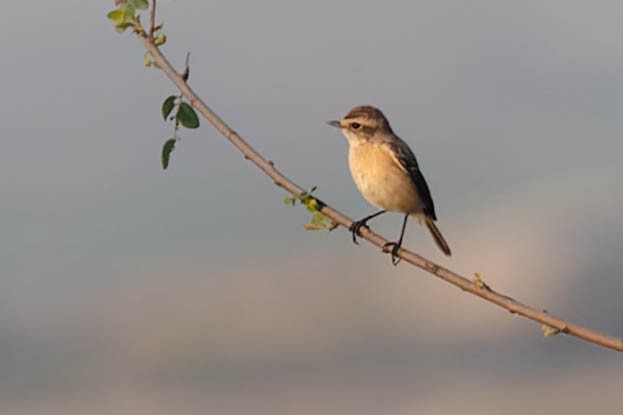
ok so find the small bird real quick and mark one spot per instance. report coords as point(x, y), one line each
point(386, 173)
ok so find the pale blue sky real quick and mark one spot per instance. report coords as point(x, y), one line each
point(126, 289)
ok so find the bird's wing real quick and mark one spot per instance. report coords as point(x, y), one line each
point(404, 158)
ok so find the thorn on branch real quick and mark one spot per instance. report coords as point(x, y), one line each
point(333, 225)
point(186, 72)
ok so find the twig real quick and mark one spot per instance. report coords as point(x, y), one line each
point(152, 19)
point(337, 217)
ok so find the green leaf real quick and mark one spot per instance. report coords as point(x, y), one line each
point(319, 222)
point(116, 14)
point(120, 27)
point(160, 39)
point(167, 106)
point(147, 59)
point(312, 204)
point(128, 9)
point(141, 4)
point(123, 16)
point(168, 147)
point(319, 219)
point(187, 116)
point(289, 200)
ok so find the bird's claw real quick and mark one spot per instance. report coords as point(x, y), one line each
point(394, 251)
point(354, 229)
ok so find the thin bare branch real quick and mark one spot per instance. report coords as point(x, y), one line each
point(152, 19)
point(477, 287)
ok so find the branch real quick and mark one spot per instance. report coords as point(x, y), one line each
point(152, 18)
point(478, 288)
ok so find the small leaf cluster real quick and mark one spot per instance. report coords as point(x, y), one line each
point(319, 221)
point(184, 116)
point(125, 16)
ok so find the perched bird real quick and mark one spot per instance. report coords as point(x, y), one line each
point(386, 173)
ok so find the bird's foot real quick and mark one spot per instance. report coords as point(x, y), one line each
point(355, 227)
point(395, 246)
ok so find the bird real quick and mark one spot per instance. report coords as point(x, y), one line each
point(387, 174)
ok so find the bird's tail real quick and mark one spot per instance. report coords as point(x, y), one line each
point(439, 240)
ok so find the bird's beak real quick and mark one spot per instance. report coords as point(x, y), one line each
point(334, 123)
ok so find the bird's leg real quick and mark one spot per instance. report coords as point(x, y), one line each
point(396, 245)
point(356, 226)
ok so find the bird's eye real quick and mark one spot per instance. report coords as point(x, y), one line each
point(355, 125)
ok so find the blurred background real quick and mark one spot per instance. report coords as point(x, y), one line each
point(126, 289)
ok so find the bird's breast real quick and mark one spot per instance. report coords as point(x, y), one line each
point(381, 180)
